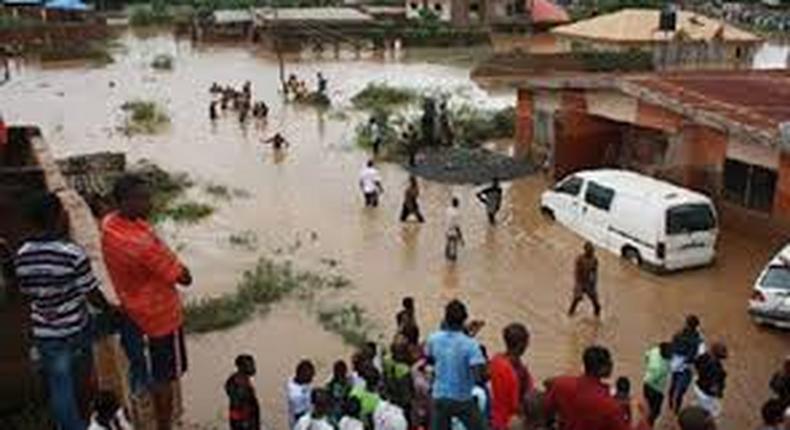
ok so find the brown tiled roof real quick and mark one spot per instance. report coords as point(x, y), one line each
point(756, 100)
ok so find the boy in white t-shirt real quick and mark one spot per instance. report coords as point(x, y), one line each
point(370, 184)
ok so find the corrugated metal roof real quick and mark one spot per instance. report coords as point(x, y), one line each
point(641, 26)
point(337, 14)
point(231, 16)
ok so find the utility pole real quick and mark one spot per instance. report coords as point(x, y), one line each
point(277, 47)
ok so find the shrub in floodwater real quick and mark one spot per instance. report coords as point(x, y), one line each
point(348, 321)
point(267, 283)
point(162, 62)
point(188, 212)
point(144, 117)
point(246, 239)
point(383, 97)
point(216, 313)
point(155, 13)
point(218, 191)
point(167, 190)
point(472, 126)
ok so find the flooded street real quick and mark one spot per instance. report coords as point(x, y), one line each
point(520, 270)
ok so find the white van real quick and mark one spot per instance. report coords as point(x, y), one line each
point(642, 219)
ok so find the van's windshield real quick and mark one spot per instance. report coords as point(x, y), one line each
point(689, 218)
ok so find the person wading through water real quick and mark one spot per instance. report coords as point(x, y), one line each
point(586, 280)
point(370, 184)
point(410, 204)
point(453, 232)
point(491, 197)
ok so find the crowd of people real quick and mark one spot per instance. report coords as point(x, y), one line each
point(228, 97)
point(449, 380)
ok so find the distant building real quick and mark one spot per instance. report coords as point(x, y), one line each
point(714, 131)
point(514, 14)
point(677, 39)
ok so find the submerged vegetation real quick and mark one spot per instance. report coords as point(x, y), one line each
point(145, 117)
point(156, 13)
point(379, 97)
point(167, 195)
point(95, 52)
point(246, 239)
point(162, 62)
point(267, 283)
point(349, 321)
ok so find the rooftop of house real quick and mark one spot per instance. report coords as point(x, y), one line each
point(641, 26)
point(326, 14)
point(751, 103)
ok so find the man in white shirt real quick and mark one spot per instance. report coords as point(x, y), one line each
point(318, 417)
point(453, 232)
point(389, 417)
point(370, 183)
point(299, 391)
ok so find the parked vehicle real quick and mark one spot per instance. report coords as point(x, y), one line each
point(645, 220)
point(770, 301)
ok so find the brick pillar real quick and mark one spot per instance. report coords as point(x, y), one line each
point(702, 158)
point(782, 192)
point(524, 125)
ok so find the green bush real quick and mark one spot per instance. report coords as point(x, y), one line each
point(188, 212)
point(349, 322)
point(267, 283)
point(155, 13)
point(472, 126)
point(144, 117)
point(380, 97)
point(162, 62)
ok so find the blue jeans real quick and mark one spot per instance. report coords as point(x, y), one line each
point(679, 384)
point(133, 342)
point(66, 363)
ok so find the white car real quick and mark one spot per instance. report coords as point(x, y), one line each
point(770, 301)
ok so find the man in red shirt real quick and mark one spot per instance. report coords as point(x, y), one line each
point(584, 402)
point(144, 273)
point(510, 379)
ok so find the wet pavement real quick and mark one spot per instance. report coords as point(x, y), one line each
point(518, 271)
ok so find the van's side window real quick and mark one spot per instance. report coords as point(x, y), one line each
point(570, 186)
point(599, 196)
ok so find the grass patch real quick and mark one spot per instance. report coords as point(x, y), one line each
point(167, 195)
point(472, 126)
point(162, 62)
point(315, 99)
point(349, 321)
point(187, 212)
point(155, 13)
point(378, 97)
point(143, 116)
point(246, 239)
point(95, 52)
point(267, 283)
point(219, 191)
point(217, 313)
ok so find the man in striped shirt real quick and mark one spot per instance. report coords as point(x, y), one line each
point(144, 273)
point(56, 275)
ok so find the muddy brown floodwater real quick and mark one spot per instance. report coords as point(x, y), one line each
point(520, 270)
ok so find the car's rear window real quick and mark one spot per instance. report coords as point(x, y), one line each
point(689, 218)
point(777, 277)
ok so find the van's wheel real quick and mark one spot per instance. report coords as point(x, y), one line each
point(547, 213)
point(631, 255)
